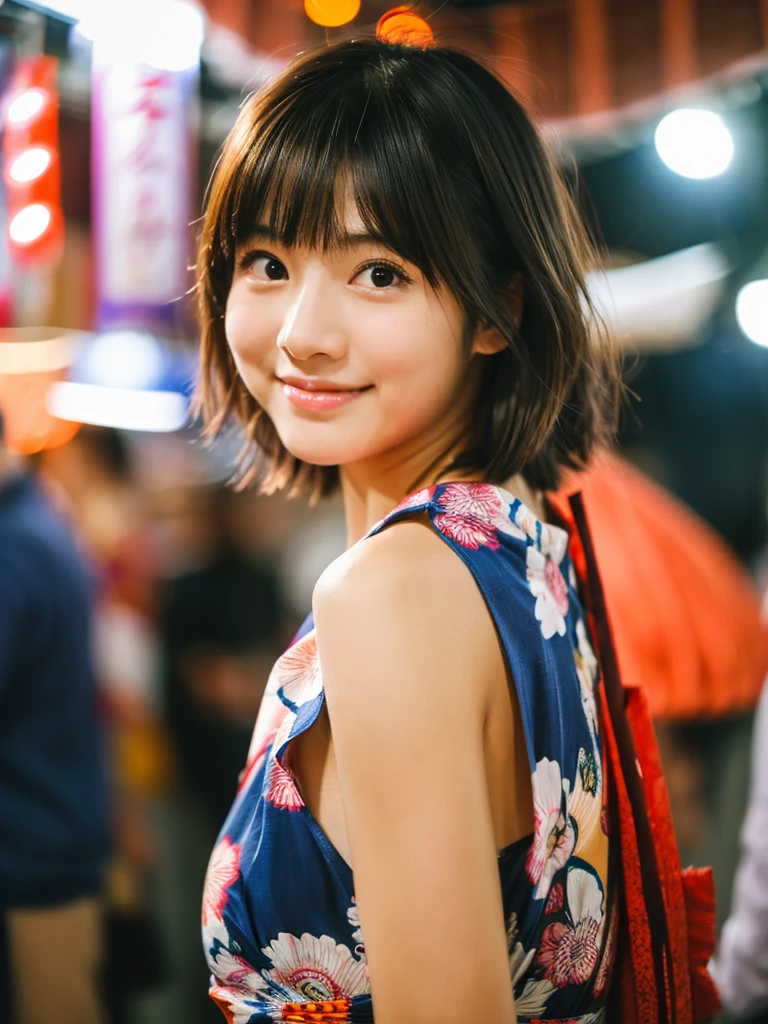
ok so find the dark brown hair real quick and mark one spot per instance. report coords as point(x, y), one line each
point(447, 171)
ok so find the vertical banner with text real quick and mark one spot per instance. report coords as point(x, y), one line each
point(143, 178)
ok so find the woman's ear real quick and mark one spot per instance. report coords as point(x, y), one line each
point(488, 338)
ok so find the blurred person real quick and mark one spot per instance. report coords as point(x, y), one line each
point(391, 275)
point(54, 837)
point(741, 965)
point(95, 474)
point(220, 629)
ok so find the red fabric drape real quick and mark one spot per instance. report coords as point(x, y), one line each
point(684, 614)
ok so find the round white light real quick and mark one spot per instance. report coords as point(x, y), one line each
point(694, 143)
point(30, 164)
point(124, 359)
point(29, 224)
point(119, 32)
point(175, 43)
point(752, 311)
point(27, 105)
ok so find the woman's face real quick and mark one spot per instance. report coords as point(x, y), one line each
point(351, 354)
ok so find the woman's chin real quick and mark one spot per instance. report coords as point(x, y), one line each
point(315, 455)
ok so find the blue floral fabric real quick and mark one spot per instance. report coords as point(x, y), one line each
point(280, 924)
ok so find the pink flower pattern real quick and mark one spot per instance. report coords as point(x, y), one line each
point(606, 963)
point(568, 955)
point(557, 586)
point(554, 900)
point(282, 790)
point(474, 514)
point(467, 531)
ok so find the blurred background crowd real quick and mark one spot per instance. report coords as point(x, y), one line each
point(131, 572)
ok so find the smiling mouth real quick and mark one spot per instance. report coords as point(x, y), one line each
point(321, 386)
point(319, 396)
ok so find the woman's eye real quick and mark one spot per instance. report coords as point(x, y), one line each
point(265, 268)
point(379, 275)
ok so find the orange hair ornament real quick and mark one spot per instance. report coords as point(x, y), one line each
point(331, 13)
point(402, 27)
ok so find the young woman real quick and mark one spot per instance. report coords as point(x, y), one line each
point(392, 298)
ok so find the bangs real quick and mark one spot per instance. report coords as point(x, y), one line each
point(318, 147)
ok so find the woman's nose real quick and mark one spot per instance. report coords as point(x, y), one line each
point(312, 327)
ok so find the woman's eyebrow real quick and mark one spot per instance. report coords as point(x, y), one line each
point(347, 240)
point(260, 233)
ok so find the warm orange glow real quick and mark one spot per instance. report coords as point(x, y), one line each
point(29, 427)
point(331, 13)
point(402, 27)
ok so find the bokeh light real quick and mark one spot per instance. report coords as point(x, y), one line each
point(124, 408)
point(30, 164)
point(166, 34)
point(401, 26)
point(27, 105)
point(752, 311)
point(127, 359)
point(30, 224)
point(694, 143)
point(331, 13)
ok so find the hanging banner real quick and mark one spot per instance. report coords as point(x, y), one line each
point(143, 173)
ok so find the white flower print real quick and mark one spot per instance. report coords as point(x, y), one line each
point(586, 652)
point(238, 1007)
point(585, 803)
point(554, 542)
point(223, 870)
point(298, 671)
point(584, 896)
point(548, 587)
point(235, 972)
point(587, 671)
point(315, 969)
point(353, 916)
point(526, 521)
point(532, 1001)
point(519, 960)
point(554, 838)
point(283, 734)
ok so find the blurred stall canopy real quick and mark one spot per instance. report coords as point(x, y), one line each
point(574, 60)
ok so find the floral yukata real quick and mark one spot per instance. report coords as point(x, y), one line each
point(280, 925)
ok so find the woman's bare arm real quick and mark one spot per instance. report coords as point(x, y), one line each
point(406, 646)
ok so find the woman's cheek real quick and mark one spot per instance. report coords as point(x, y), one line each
point(247, 336)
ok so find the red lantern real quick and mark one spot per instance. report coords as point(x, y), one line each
point(31, 169)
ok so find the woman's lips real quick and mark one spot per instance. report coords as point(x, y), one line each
point(319, 399)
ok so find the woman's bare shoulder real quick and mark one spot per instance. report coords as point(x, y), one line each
point(409, 550)
point(405, 595)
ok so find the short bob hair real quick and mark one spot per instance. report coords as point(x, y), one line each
point(448, 172)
